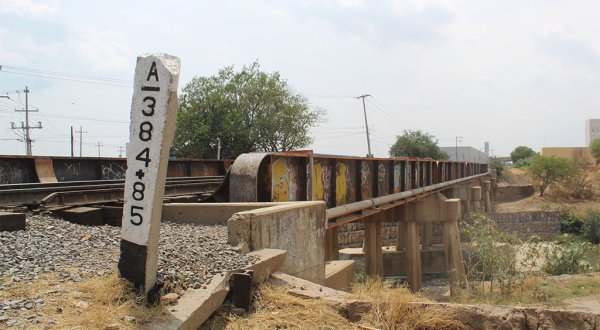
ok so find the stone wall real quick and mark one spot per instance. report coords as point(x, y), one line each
point(513, 193)
point(296, 227)
point(545, 224)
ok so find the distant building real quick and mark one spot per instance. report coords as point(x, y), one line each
point(466, 154)
point(576, 154)
point(592, 131)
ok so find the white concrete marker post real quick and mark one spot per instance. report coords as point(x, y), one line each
point(153, 117)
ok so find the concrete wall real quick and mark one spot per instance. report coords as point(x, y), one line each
point(207, 213)
point(513, 193)
point(296, 227)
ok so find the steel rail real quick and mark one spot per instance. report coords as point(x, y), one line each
point(339, 211)
point(33, 196)
point(85, 197)
point(37, 185)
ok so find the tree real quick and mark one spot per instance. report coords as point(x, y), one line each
point(247, 110)
point(417, 144)
point(547, 170)
point(595, 148)
point(521, 152)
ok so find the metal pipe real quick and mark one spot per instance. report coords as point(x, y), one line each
point(338, 211)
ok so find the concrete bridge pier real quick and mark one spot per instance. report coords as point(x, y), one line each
point(413, 248)
point(399, 218)
point(373, 245)
point(331, 244)
point(476, 198)
point(486, 196)
point(450, 214)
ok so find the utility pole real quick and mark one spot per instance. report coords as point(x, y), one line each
point(458, 139)
point(80, 138)
point(121, 149)
point(218, 148)
point(72, 142)
point(25, 127)
point(370, 155)
point(98, 145)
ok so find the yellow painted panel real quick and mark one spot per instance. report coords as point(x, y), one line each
point(318, 191)
point(280, 181)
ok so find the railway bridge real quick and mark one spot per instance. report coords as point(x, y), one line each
point(295, 201)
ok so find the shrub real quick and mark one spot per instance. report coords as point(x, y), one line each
point(523, 162)
point(591, 227)
point(569, 255)
point(492, 255)
point(570, 223)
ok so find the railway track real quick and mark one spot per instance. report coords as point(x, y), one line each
point(97, 191)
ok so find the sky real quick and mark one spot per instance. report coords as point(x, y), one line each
point(507, 72)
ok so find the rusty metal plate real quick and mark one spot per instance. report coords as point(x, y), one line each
point(243, 179)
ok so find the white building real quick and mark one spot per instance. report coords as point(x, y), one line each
point(592, 131)
point(466, 154)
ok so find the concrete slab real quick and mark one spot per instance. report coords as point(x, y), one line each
point(87, 216)
point(12, 221)
point(270, 261)
point(302, 288)
point(196, 306)
point(339, 274)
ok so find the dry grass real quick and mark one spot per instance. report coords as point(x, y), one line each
point(394, 308)
point(91, 304)
point(391, 309)
point(276, 309)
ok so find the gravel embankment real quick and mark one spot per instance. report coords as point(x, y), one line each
point(189, 255)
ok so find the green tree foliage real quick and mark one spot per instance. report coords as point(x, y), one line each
point(595, 147)
point(417, 144)
point(496, 164)
point(547, 170)
point(247, 110)
point(521, 152)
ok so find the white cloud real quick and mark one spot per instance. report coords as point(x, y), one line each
point(27, 8)
point(105, 50)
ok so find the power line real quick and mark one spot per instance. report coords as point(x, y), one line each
point(88, 79)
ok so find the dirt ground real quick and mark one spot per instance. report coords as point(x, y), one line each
point(519, 176)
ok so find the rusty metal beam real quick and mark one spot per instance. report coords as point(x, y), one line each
point(337, 180)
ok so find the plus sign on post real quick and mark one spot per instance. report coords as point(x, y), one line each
point(153, 116)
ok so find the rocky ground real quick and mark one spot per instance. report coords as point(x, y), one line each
point(190, 255)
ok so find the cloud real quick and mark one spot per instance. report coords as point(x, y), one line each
point(572, 53)
point(27, 8)
point(105, 50)
point(383, 23)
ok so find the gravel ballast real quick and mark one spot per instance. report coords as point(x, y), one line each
point(189, 255)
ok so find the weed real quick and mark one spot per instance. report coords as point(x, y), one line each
point(569, 255)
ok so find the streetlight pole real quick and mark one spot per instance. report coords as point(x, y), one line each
point(458, 139)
